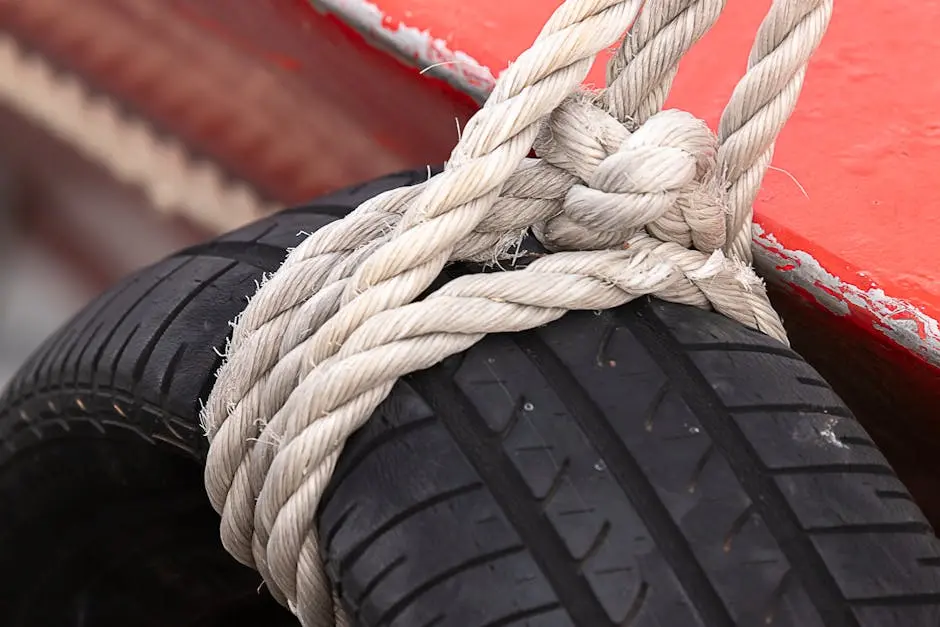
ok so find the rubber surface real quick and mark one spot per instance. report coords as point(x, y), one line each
point(654, 466)
point(103, 517)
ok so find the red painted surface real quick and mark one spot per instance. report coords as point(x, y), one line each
point(864, 142)
point(244, 44)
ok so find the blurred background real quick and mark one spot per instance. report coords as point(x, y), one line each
point(130, 128)
point(67, 230)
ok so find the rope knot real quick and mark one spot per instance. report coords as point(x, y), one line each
point(660, 177)
point(640, 202)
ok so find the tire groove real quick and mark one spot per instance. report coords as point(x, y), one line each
point(480, 560)
point(96, 360)
point(813, 382)
point(140, 364)
point(167, 376)
point(373, 583)
point(42, 422)
point(854, 440)
point(522, 615)
point(163, 390)
point(737, 347)
point(327, 538)
point(143, 357)
point(40, 373)
point(265, 257)
point(484, 450)
point(435, 621)
point(67, 355)
point(717, 420)
point(80, 358)
point(898, 495)
point(386, 437)
point(773, 605)
point(75, 353)
point(637, 606)
point(622, 465)
point(91, 315)
point(120, 353)
point(361, 547)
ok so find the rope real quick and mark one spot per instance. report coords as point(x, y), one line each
point(635, 200)
point(126, 146)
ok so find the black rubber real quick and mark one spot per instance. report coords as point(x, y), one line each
point(655, 466)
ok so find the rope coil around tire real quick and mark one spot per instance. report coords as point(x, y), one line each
point(634, 200)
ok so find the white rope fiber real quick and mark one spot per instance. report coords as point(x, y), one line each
point(633, 200)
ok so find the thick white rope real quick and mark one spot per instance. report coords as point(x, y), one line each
point(647, 202)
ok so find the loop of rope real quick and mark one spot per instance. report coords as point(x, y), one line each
point(636, 200)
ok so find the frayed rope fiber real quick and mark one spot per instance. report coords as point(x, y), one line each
point(632, 200)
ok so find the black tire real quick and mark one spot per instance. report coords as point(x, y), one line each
point(653, 466)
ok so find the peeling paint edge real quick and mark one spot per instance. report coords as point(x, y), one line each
point(897, 320)
point(413, 46)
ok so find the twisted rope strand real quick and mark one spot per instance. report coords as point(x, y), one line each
point(449, 207)
point(493, 144)
point(761, 104)
point(324, 340)
point(641, 72)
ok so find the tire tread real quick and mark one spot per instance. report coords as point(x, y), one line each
point(656, 465)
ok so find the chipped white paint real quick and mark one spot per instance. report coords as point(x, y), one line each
point(828, 434)
point(807, 430)
point(416, 47)
point(899, 321)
